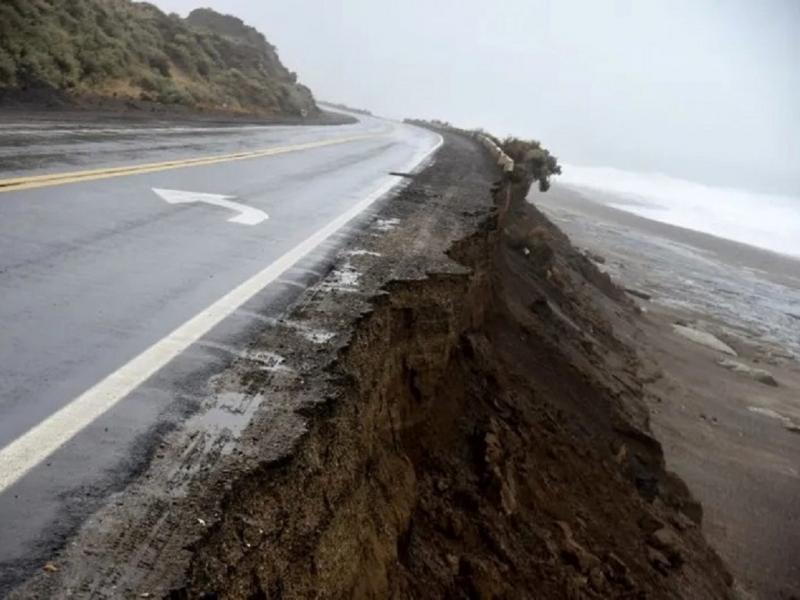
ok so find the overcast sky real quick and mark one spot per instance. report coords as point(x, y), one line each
point(708, 90)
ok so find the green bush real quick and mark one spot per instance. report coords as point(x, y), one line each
point(8, 69)
point(532, 160)
point(148, 83)
point(159, 62)
point(88, 45)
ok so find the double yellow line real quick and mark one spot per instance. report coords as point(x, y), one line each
point(38, 181)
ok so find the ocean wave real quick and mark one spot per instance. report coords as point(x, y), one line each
point(763, 220)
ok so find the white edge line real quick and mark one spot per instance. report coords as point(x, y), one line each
point(31, 448)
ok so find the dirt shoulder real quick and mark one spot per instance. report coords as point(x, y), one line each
point(448, 412)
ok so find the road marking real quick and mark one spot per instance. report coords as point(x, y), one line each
point(37, 181)
point(247, 215)
point(39, 442)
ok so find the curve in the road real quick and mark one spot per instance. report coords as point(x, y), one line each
point(37, 181)
point(27, 451)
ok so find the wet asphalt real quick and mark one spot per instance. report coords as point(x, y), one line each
point(94, 273)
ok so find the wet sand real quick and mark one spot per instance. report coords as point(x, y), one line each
point(735, 440)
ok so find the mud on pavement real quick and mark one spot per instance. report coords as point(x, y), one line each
point(446, 413)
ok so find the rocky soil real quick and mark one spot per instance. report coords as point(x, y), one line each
point(449, 412)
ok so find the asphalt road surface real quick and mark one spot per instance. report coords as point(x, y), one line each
point(133, 259)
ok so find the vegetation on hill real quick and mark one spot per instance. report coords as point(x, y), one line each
point(132, 50)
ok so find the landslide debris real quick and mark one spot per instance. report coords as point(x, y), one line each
point(62, 51)
point(482, 434)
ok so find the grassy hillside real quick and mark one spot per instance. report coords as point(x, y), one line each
point(133, 50)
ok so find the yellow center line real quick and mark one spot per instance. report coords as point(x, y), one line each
point(38, 181)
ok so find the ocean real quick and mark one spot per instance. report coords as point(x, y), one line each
point(767, 221)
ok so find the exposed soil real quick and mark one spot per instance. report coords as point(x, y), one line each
point(472, 427)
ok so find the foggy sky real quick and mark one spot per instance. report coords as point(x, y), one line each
point(700, 89)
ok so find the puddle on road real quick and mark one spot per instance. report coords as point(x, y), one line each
point(269, 360)
point(316, 336)
point(230, 414)
point(343, 279)
point(212, 433)
point(386, 224)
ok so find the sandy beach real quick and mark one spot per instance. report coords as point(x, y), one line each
point(719, 338)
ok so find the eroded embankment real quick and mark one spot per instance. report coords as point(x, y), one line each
point(481, 434)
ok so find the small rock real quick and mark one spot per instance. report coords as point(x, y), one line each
point(788, 423)
point(663, 539)
point(617, 571)
point(704, 339)
point(666, 541)
point(453, 527)
point(650, 524)
point(508, 493)
point(621, 454)
point(597, 580)
point(765, 378)
point(50, 568)
point(574, 554)
point(639, 294)
point(454, 563)
point(575, 587)
point(682, 522)
point(482, 577)
point(595, 257)
point(658, 560)
point(760, 375)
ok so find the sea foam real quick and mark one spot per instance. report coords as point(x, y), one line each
point(763, 220)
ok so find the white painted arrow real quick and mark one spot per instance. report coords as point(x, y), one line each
point(247, 214)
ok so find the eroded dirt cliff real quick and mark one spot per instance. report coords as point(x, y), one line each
point(482, 435)
point(449, 412)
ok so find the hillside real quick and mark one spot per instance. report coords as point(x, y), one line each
point(132, 51)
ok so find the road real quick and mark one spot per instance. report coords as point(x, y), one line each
point(133, 262)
